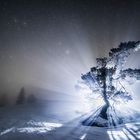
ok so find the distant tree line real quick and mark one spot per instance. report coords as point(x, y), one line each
point(22, 98)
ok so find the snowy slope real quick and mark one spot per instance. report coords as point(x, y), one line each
point(56, 121)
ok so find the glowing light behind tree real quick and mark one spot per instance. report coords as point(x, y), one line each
point(108, 77)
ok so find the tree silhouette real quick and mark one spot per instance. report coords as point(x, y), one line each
point(31, 98)
point(21, 97)
point(3, 100)
point(106, 79)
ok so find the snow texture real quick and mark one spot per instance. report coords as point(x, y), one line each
point(44, 122)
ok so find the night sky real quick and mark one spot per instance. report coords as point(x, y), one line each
point(49, 43)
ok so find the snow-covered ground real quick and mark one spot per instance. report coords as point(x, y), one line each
point(55, 120)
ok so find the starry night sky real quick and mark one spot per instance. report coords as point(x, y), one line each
point(49, 43)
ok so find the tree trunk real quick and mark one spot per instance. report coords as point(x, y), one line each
point(103, 112)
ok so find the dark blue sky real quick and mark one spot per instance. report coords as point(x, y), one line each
point(49, 43)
